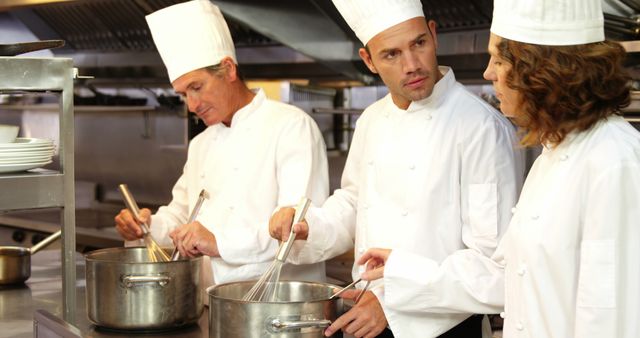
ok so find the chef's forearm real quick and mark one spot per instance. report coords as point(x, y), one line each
point(465, 282)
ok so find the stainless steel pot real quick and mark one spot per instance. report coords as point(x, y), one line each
point(15, 261)
point(126, 291)
point(304, 311)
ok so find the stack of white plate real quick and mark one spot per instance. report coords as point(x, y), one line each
point(25, 153)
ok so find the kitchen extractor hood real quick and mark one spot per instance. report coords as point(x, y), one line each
point(274, 39)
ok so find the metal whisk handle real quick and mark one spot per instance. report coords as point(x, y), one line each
point(175, 255)
point(301, 212)
point(132, 206)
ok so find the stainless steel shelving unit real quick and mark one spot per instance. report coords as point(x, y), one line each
point(47, 188)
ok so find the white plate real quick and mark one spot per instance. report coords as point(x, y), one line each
point(26, 142)
point(9, 168)
point(26, 150)
point(25, 154)
point(38, 159)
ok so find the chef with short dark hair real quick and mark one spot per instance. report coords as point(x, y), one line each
point(432, 170)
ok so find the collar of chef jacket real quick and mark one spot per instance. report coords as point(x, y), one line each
point(569, 143)
point(243, 113)
point(440, 90)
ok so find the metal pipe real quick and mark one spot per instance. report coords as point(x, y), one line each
point(633, 32)
point(631, 4)
point(616, 23)
point(621, 19)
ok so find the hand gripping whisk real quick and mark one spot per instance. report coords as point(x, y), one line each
point(155, 252)
point(266, 288)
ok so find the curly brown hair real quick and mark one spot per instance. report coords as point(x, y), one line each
point(565, 88)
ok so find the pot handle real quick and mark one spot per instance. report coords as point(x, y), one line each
point(131, 281)
point(43, 243)
point(278, 325)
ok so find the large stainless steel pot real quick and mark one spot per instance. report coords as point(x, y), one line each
point(15, 261)
point(304, 310)
point(126, 291)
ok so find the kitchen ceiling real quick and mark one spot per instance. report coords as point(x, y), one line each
point(274, 39)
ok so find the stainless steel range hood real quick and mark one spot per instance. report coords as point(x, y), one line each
point(275, 38)
point(13, 4)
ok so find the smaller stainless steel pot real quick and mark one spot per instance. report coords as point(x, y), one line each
point(305, 310)
point(15, 261)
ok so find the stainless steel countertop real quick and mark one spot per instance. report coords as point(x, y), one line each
point(44, 291)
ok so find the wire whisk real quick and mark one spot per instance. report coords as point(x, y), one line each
point(155, 252)
point(266, 288)
point(175, 255)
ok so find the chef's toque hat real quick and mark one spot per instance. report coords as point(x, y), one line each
point(549, 22)
point(367, 18)
point(190, 36)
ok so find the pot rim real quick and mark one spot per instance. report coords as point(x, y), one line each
point(14, 251)
point(90, 256)
point(210, 289)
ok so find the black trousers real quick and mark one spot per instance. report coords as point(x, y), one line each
point(470, 328)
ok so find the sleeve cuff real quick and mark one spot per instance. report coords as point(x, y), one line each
point(304, 251)
point(402, 271)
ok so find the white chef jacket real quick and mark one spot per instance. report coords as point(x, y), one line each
point(438, 177)
point(569, 262)
point(272, 155)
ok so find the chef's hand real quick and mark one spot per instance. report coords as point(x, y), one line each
point(365, 319)
point(194, 239)
point(375, 259)
point(128, 227)
point(280, 225)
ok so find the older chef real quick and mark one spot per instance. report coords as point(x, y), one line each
point(432, 170)
point(569, 260)
point(255, 155)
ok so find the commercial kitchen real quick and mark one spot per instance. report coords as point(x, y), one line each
point(83, 80)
